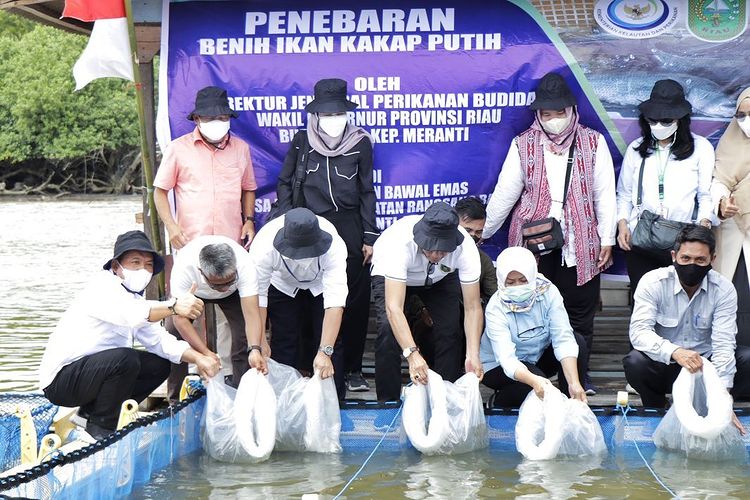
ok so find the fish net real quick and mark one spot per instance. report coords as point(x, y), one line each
point(42, 411)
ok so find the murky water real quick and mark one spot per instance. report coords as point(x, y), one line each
point(48, 250)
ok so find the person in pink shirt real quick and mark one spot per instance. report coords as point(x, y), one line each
point(211, 174)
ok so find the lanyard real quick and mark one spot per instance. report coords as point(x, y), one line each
point(662, 168)
point(283, 260)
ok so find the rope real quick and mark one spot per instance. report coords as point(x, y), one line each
point(625, 411)
point(364, 464)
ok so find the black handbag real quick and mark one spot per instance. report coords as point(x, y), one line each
point(297, 181)
point(546, 235)
point(653, 233)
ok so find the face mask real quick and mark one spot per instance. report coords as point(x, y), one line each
point(334, 125)
point(691, 274)
point(520, 293)
point(661, 132)
point(556, 125)
point(214, 130)
point(745, 125)
point(136, 281)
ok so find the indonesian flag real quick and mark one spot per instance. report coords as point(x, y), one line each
point(108, 51)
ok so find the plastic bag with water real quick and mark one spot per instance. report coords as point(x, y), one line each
point(308, 416)
point(444, 418)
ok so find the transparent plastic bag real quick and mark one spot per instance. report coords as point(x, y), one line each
point(699, 423)
point(308, 416)
point(582, 433)
point(444, 418)
point(240, 424)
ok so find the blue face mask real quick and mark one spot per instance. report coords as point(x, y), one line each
point(520, 293)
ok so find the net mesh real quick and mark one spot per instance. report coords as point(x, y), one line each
point(42, 411)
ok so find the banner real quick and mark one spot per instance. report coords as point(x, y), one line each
point(443, 88)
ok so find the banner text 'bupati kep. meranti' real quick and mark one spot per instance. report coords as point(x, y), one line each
point(348, 31)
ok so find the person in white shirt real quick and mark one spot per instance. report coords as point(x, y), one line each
point(220, 272)
point(560, 169)
point(434, 258)
point(682, 313)
point(89, 360)
point(674, 168)
point(301, 264)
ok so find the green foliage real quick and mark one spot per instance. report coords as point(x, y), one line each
point(41, 117)
point(14, 26)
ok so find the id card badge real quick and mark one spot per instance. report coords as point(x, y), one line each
point(664, 212)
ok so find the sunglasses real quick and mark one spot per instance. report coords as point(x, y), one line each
point(665, 122)
point(740, 115)
point(219, 287)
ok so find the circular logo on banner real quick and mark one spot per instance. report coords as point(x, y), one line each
point(635, 18)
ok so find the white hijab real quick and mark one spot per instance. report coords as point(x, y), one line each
point(519, 259)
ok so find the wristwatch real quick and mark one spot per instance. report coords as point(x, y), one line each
point(172, 306)
point(326, 349)
point(254, 347)
point(250, 218)
point(409, 350)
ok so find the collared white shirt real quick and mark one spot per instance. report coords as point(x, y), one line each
point(512, 179)
point(664, 318)
point(683, 180)
point(186, 270)
point(326, 274)
point(104, 315)
point(397, 256)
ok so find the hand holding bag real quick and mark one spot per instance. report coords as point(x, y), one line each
point(545, 235)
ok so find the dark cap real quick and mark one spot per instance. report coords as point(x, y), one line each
point(438, 230)
point(553, 93)
point(301, 236)
point(667, 102)
point(135, 240)
point(330, 97)
point(211, 101)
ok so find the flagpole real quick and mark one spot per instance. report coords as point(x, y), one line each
point(148, 168)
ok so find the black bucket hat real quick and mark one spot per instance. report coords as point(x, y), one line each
point(667, 102)
point(301, 236)
point(135, 240)
point(211, 101)
point(330, 97)
point(553, 93)
point(438, 230)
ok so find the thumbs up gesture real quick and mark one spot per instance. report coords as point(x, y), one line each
point(189, 305)
point(728, 207)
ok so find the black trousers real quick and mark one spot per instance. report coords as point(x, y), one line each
point(742, 286)
point(640, 262)
point(232, 309)
point(357, 312)
point(444, 342)
point(290, 318)
point(511, 393)
point(581, 302)
point(653, 379)
point(99, 383)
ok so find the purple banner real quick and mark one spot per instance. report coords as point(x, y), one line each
point(443, 87)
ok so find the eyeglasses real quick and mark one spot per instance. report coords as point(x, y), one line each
point(665, 122)
point(219, 287)
point(430, 270)
point(741, 115)
point(283, 259)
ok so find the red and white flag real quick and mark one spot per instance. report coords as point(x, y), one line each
point(108, 51)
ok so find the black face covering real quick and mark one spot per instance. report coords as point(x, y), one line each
point(691, 274)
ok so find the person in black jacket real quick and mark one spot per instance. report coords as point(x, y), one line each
point(331, 163)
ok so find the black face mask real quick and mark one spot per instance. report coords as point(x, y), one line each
point(691, 274)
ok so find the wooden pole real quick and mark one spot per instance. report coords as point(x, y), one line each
point(146, 155)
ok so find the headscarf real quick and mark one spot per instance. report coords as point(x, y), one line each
point(333, 146)
point(519, 259)
point(558, 143)
point(733, 165)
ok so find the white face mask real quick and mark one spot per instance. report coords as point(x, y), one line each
point(556, 125)
point(136, 281)
point(519, 293)
point(745, 125)
point(661, 132)
point(215, 130)
point(333, 125)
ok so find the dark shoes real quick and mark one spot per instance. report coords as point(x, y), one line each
point(355, 382)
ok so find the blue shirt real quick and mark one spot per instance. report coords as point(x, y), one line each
point(512, 337)
point(665, 318)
